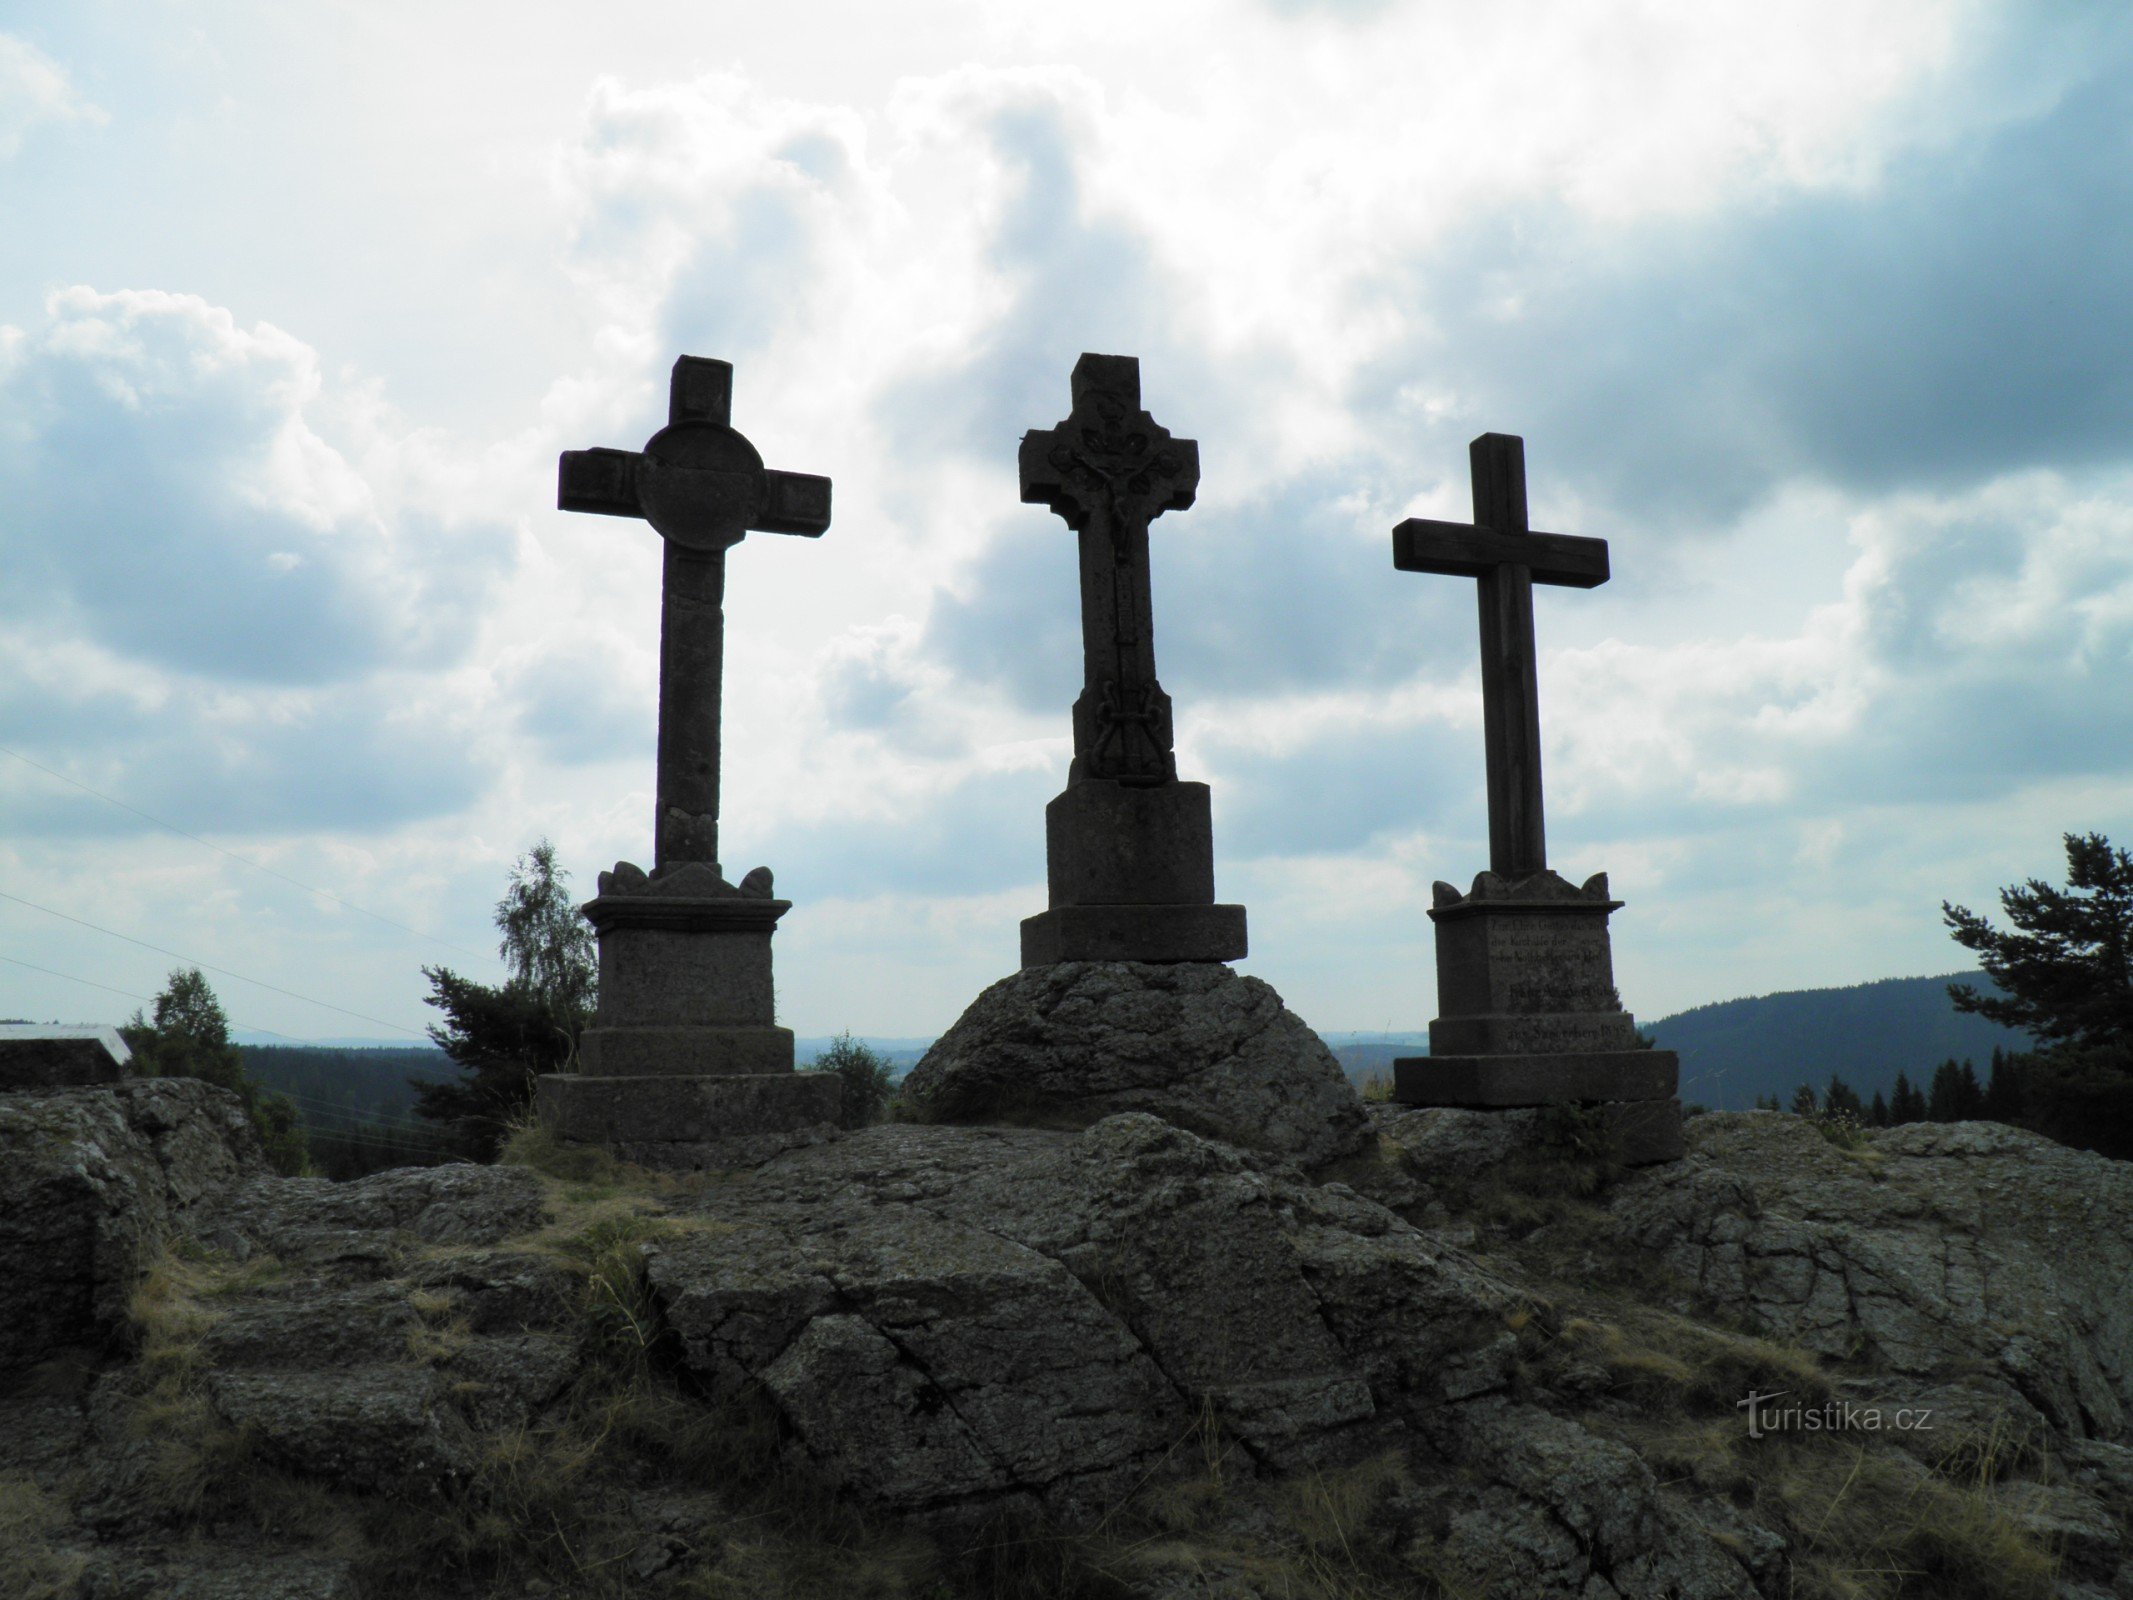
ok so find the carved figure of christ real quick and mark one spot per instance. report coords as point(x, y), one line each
point(1109, 469)
point(703, 487)
point(1507, 558)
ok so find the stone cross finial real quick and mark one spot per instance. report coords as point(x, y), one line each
point(1508, 558)
point(702, 485)
point(1109, 469)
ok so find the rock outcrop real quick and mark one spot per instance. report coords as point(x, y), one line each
point(90, 1179)
point(1191, 1042)
point(949, 1328)
point(1941, 1248)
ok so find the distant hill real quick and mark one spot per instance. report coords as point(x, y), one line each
point(1735, 1050)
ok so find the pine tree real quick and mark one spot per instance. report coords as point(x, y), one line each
point(1877, 1114)
point(2003, 1089)
point(2067, 975)
point(1803, 1101)
point(502, 1037)
point(1906, 1104)
point(1841, 1097)
point(1944, 1101)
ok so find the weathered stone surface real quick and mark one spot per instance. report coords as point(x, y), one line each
point(1522, 947)
point(1946, 1246)
point(1143, 933)
point(1108, 843)
point(1612, 1075)
point(1569, 1513)
point(316, 1221)
point(89, 1179)
point(953, 1315)
point(693, 1122)
point(38, 1057)
point(367, 1427)
point(1193, 1043)
point(696, 1051)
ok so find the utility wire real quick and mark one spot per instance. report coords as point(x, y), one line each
point(234, 856)
point(362, 1016)
point(239, 1022)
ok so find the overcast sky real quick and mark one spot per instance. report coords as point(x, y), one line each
point(1820, 314)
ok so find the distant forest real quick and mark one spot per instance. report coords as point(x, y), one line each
point(359, 1116)
point(357, 1110)
point(1738, 1051)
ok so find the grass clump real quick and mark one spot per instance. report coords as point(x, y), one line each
point(33, 1565)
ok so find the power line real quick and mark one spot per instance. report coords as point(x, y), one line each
point(362, 1016)
point(52, 972)
point(243, 860)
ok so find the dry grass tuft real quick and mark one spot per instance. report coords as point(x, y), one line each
point(32, 1565)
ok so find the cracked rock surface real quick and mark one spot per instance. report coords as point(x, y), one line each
point(945, 1323)
point(88, 1179)
point(1192, 1042)
point(1944, 1245)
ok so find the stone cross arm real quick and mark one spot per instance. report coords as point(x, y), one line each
point(605, 481)
point(1466, 550)
point(703, 487)
point(697, 480)
point(1507, 558)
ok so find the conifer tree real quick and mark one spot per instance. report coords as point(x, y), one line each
point(1803, 1101)
point(1877, 1114)
point(502, 1037)
point(1906, 1104)
point(2066, 975)
point(2003, 1089)
point(1841, 1097)
point(1955, 1096)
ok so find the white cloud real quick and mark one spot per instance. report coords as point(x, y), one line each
point(34, 90)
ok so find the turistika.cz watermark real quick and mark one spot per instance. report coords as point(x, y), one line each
point(1765, 1415)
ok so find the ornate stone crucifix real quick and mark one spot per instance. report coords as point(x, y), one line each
point(1110, 469)
point(1128, 849)
point(1508, 558)
point(703, 486)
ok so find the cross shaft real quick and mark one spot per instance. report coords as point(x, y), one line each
point(1110, 469)
point(703, 487)
point(1508, 558)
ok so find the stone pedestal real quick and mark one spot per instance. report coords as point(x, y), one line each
point(1131, 872)
point(684, 1065)
point(1529, 1016)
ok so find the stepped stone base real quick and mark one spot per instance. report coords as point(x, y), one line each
point(1634, 1090)
point(684, 1052)
point(686, 1122)
point(1152, 933)
point(1536, 1080)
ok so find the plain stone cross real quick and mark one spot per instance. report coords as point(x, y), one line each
point(1509, 558)
point(703, 487)
point(1110, 470)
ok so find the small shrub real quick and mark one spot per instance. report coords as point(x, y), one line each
point(869, 1080)
point(1844, 1130)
